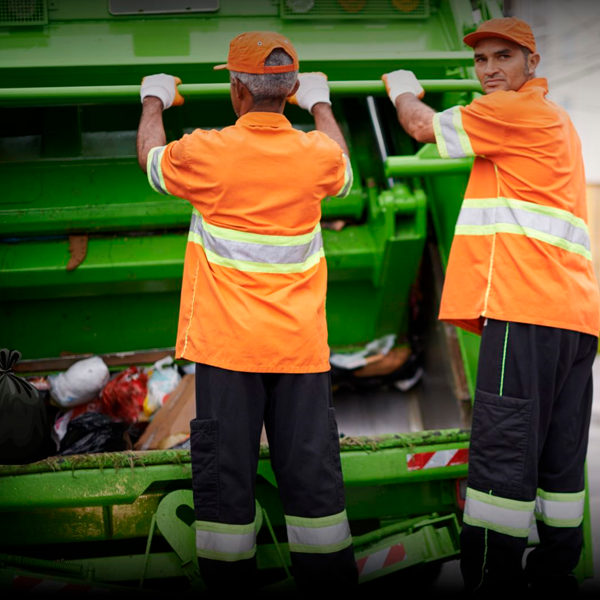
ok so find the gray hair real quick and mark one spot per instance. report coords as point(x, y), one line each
point(270, 86)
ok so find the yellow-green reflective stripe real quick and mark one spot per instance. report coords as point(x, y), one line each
point(254, 267)
point(559, 522)
point(348, 178)
point(223, 527)
point(512, 517)
point(317, 521)
point(561, 496)
point(557, 213)
point(518, 230)
point(439, 138)
point(560, 509)
point(225, 556)
point(463, 138)
point(521, 505)
point(256, 238)
point(512, 531)
point(308, 549)
point(450, 134)
point(154, 170)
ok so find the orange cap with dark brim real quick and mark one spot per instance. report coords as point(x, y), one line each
point(509, 28)
point(249, 51)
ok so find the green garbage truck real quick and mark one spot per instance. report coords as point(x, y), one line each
point(91, 263)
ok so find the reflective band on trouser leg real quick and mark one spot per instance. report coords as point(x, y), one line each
point(228, 543)
point(450, 135)
point(560, 510)
point(503, 515)
point(155, 176)
point(320, 535)
point(553, 226)
point(348, 179)
point(255, 252)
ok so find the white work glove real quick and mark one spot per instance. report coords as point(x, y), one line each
point(164, 87)
point(313, 89)
point(401, 82)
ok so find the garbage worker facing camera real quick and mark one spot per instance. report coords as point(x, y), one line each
point(520, 275)
point(252, 311)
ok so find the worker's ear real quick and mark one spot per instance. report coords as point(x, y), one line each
point(294, 89)
point(533, 60)
point(242, 92)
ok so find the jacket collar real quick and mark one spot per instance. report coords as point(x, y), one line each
point(264, 119)
point(537, 82)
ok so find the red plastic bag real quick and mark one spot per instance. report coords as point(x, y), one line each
point(123, 396)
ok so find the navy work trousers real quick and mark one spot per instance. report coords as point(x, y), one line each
point(304, 450)
point(529, 439)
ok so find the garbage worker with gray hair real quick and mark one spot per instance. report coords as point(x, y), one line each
point(252, 313)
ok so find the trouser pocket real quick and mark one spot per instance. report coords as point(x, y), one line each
point(501, 442)
point(336, 464)
point(204, 444)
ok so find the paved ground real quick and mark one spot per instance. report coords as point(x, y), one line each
point(450, 579)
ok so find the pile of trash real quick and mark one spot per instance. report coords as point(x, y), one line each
point(88, 409)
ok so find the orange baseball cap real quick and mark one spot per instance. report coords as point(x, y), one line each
point(249, 51)
point(509, 28)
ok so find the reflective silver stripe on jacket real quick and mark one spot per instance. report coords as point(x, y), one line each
point(255, 252)
point(155, 171)
point(527, 220)
point(348, 178)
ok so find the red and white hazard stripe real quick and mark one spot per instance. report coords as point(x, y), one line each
point(25, 584)
point(380, 559)
point(435, 460)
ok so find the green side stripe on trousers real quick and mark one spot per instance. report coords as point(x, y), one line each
point(503, 361)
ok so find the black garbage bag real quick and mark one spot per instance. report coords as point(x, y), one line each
point(93, 432)
point(23, 420)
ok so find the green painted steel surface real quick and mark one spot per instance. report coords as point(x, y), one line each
point(68, 165)
point(57, 96)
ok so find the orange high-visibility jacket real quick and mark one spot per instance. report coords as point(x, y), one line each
point(521, 250)
point(255, 277)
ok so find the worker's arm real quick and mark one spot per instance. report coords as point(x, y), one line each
point(313, 96)
point(325, 122)
point(406, 92)
point(158, 92)
point(151, 132)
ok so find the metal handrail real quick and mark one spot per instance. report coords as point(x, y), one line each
point(121, 94)
point(407, 166)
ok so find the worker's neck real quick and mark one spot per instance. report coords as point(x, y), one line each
point(274, 107)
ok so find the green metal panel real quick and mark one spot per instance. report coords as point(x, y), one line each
point(69, 104)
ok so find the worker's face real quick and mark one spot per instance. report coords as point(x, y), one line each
point(501, 65)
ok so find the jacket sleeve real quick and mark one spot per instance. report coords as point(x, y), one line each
point(168, 169)
point(341, 182)
point(474, 130)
